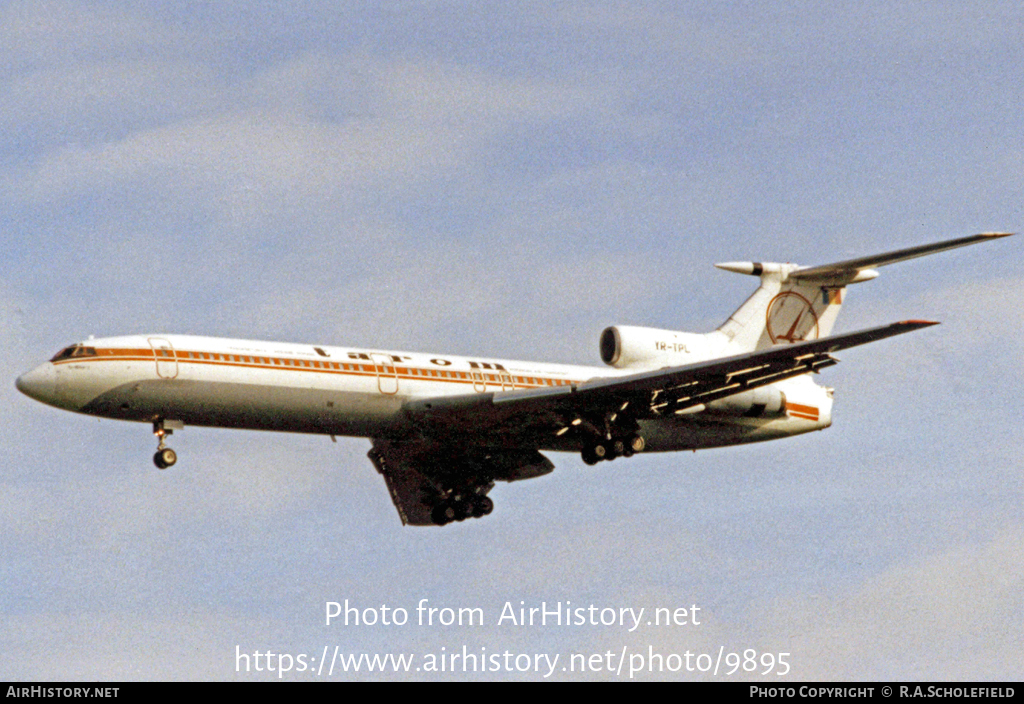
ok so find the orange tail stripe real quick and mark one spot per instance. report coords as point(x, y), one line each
point(801, 411)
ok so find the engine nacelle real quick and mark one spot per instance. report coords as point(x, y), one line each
point(625, 346)
point(765, 401)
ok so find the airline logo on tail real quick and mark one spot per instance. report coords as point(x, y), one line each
point(791, 318)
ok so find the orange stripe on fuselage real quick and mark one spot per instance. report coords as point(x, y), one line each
point(252, 361)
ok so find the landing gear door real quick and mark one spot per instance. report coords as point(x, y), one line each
point(166, 360)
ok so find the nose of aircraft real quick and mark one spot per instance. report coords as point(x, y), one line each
point(40, 383)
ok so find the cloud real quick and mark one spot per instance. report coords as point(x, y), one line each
point(53, 33)
point(397, 124)
point(949, 616)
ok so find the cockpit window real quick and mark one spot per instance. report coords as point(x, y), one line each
point(74, 351)
point(64, 353)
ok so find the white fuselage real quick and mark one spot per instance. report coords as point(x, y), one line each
point(345, 391)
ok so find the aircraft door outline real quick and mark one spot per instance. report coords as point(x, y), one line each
point(387, 375)
point(165, 357)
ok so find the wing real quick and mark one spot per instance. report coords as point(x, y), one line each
point(465, 443)
point(507, 418)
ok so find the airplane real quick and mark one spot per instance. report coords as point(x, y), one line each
point(445, 428)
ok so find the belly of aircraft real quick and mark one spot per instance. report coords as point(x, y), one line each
point(250, 406)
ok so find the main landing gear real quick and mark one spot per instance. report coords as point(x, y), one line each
point(617, 434)
point(596, 451)
point(459, 507)
point(165, 456)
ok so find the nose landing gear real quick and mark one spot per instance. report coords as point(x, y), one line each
point(165, 456)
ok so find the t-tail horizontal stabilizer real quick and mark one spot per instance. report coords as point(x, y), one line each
point(795, 303)
point(854, 270)
point(851, 267)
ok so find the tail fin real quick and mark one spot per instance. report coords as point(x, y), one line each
point(795, 303)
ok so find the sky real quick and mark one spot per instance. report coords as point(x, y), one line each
point(506, 179)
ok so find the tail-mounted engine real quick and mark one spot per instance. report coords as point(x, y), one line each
point(625, 347)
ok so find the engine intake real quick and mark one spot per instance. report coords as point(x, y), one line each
point(625, 346)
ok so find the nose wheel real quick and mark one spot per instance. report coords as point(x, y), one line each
point(165, 456)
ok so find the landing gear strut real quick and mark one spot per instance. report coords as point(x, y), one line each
point(165, 456)
point(617, 434)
